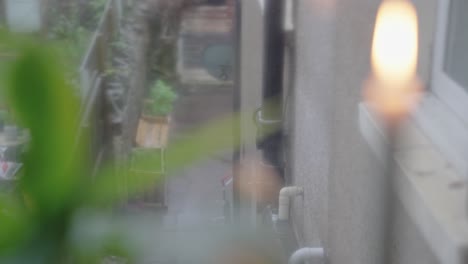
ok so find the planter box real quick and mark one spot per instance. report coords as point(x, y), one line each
point(152, 132)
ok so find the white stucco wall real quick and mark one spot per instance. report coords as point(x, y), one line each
point(251, 81)
point(343, 182)
point(311, 132)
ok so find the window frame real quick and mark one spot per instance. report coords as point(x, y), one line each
point(443, 112)
point(449, 91)
point(438, 130)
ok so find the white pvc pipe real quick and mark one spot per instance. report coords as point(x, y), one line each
point(311, 255)
point(284, 197)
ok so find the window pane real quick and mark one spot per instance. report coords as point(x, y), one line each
point(456, 59)
point(23, 15)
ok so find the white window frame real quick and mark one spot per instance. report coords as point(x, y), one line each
point(450, 92)
point(443, 114)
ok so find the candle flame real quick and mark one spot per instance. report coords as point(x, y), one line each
point(395, 89)
point(395, 43)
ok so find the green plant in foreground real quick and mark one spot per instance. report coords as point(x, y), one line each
point(162, 97)
point(58, 214)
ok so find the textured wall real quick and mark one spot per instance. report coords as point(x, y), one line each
point(251, 74)
point(343, 184)
point(251, 68)
point(312, 117)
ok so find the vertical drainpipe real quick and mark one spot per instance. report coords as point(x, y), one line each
point(236, 108)
point(270, 114)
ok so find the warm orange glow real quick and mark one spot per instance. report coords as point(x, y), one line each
point(394, 89)
point(395, 43)
point(392, 104)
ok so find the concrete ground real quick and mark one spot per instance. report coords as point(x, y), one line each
point(194, 199)
point(194, 195)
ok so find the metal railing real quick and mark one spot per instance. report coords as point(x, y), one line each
point(93, 83)
point(94, 61)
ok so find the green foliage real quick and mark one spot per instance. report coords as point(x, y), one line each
point(144, 162)
point(97, 8)
point(36, 91)
point(63, 24)
point(147, 159)
point(163, 60)
point(71, 51)
point(119, 45)
point(162, 97)
point(71, 41)
point(72, 32)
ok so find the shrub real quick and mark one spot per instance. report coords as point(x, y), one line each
point(162, 97)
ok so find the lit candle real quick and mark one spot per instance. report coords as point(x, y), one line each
point(393, 90)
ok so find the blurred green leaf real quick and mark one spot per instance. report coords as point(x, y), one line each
point(46, 105)
point(52, 181)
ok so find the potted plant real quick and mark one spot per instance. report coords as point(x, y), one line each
point(160, 103)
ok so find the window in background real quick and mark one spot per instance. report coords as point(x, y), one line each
point(23, 15)
point(450, 76)
point(456, 50)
